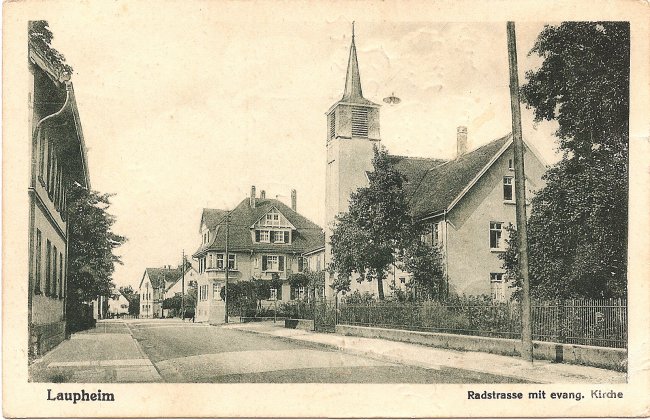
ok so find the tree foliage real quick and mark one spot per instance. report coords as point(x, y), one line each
point(41, 37)
point(578, 225)
point(366, 239)
point(424, 263)
point(91, 245)
point(133, 298)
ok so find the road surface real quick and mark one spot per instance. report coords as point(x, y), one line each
point(185, 352)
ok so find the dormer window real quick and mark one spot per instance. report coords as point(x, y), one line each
point(272, 218)
point(263, 236)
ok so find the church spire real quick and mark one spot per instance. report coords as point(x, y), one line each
point(352, 91)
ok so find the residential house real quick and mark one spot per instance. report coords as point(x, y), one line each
point(468, 202)
point(181, 285)
point(264, 237)
point(152, 288)
point(118, 305)
point(58, 159)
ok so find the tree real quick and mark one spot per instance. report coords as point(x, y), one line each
point(133, 298)
point(424, 263)
point(378, 225)
point(91, 246)
point(578, 224)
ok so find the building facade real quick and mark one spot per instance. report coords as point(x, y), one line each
point(467, 202)
point(152, 289)
point(58, 158)
point(265, 239)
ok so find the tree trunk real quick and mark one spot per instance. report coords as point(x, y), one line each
point(380, 288)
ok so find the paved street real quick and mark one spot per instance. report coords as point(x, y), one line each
point(170, 350)
point(185, 352)
point(176, 351)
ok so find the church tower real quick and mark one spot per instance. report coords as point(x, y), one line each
point(352, 130)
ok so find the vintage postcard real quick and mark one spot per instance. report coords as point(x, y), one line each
point(325, 209)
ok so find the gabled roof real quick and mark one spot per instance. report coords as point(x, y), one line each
point(212, 217)
point(307, 235)
point(434, 185)
point(161, 277)
point(180, 276)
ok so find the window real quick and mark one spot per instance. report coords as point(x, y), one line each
point(41, 157)
point(273, 263)
point(61, 276)
point(262, 236)
point(278, 237)
point(55, 272)
point(359, 122)
point(48, 267)
point(39, 269)
point(298, 293)
point(232, 261)
point(496, 232)
point(507, 188)
point(220, 263)
point(216, 292)
point(302, 264)
point(272, 218)
point(511, 166)
point(402, 280)
point(274, 294)
point(497, 287)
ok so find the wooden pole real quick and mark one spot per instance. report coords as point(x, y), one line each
point(520, 196)
point(227, 266)
point(183, 286)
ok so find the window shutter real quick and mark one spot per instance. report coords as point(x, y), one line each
point(264, 262)
point(281, 263)
point(257, 236)
point(300, 264)
point(293, 293)
point(279, 293)
point(271, 236)
point(286, 237)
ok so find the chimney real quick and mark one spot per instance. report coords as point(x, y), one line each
point(461, 141)
point(262, 194)
point(252, 198)
point(294, 203)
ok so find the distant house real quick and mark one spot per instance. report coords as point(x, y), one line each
point(153, 286)
point(118, 305)
point(265, 237)
point(467, 202)
point(58, 159)
point(182, 284)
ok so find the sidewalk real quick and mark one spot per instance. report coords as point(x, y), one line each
point(107, 353)
point(540, 371)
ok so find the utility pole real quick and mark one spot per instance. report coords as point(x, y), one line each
point(227, 260)
point(183, 285)
point(520, 197)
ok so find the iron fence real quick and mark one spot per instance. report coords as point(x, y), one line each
point(601, 322)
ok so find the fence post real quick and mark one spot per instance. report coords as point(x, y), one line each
point(561, 337)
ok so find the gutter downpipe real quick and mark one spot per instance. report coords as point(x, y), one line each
point(35, 134)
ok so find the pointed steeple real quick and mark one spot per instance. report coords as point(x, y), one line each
point(352, 79)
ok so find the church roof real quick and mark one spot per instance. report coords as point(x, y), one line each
point(306, 236)
point(433, 185)
point(353, 93)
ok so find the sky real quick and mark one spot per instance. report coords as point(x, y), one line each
point(189, 108)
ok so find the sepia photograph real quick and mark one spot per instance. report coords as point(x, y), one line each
point(253, 200)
